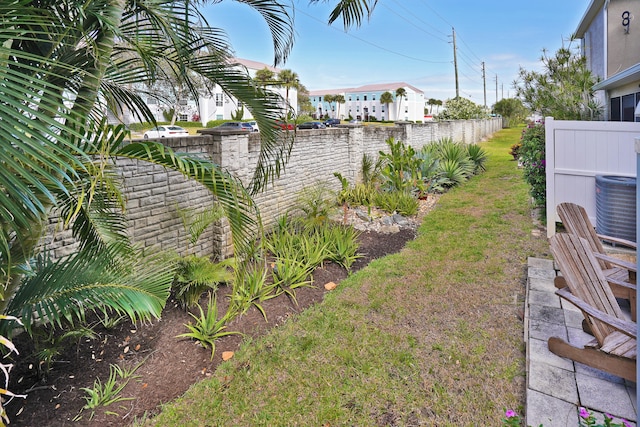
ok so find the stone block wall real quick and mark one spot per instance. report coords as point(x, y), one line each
point(154, 194)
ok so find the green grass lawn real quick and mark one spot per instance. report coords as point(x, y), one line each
point(428, 336)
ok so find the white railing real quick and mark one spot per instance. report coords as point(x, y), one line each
point(577, 151)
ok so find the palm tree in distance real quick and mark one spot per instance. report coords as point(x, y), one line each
point(400, 93)
point(264, 77)
point(339, 99)
point(387, 98)
point(288, 80)
point(329, 99)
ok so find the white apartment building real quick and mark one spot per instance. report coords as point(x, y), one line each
point(217, 105)
point(363, 103)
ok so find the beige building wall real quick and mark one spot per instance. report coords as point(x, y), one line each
point(623, 40)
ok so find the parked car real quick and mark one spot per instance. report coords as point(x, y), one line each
point(284, 125)
point(311, 125)
point(254, 125)
point(242, 126)
point(331, 122)
point(165, 132)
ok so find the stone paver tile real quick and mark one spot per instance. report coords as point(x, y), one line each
point(541, 330)
point(554, 381)
point(546, 314)
point(541, 273)
point(540, 263)
point(573, 319)
point(543, 298)
point(539, 353)
point(549, 411)
point(541, 284)
point(605, 396)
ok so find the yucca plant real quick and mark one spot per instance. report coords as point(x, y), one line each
point(343, 245)
point(251, 289)
point(289, 274)
point(207, 328)
point(401, 202)
point(316, 202)
point(478, 156)
point(108, 392)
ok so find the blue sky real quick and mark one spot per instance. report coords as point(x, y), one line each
point(410, 41)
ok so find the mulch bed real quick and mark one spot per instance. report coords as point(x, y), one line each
point(169, 365)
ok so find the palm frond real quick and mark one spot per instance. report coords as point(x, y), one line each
point(64, 290)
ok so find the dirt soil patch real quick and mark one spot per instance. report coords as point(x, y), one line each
point(168, 365)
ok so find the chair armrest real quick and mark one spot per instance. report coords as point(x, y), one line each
point(627, 328)
point(618, 241)
point(617, 261)
point(621, 284)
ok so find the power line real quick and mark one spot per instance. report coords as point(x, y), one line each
point(411, 13)
point(370, 43)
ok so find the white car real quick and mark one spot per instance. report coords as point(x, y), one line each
point(166, 132)
point(254, 125)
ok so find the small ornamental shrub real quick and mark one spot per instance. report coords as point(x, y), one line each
point(533, 160)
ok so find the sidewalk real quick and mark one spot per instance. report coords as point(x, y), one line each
point(556, 387)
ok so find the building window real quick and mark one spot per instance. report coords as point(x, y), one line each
point(218, 100)
point(357, 108)
point(374, 97)
point(382, 109)
point(358, 98)
point(183, 118)
point(320, 99)
point(365, 97)
point(373, 108)
point(623, 108)
point(406, 109)
point(349, 97)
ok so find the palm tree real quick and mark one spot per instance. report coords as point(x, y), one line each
point(338, 99)
point(351, 11)
point(386, 98)
point(288, 79)
point(64, 64)
point(400, 93)
point(329, 99)
point(264, 77)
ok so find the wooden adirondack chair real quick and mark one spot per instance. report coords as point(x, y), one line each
point(614, 347)
point(620, 274)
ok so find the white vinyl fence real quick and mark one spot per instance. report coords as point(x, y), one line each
point(576, 152)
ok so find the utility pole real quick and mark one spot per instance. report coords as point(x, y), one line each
point(484, 85)
point(496, 88)
point(455, 62)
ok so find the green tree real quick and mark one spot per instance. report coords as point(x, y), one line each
point(288, 80)
point(339, 100)
point(304, 102)
point(512, 110)
point(64, 64)
point(431, 102)
point(330, 99)
point(386, 98)
point(400, 93)
point(462, 109)
point(264, 77)
point(563, 90)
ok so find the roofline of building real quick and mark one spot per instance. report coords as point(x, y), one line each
point(589, 15)
point(364, 88)
point(629, 75)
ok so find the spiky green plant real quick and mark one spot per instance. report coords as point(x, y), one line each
point(207, 328)
point(250, 289)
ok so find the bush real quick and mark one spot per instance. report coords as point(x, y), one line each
point(533, 160)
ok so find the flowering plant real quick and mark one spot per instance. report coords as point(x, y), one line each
point(512, 419)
